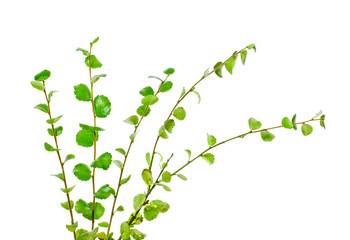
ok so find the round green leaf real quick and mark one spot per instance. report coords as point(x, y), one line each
point(141, 110)
point(85, 138)
point(166, 177)
point(166, 86)
point(103, 224)
point(102, 106)
point(82, 92)
point(82, 172)
point(104, 192)
point(42, 76)
point(286, 123)
point(208, 157)
point(121, 151)
point(147, 91)
point(211, 140)
point(179, 113)
point(169, 71)
point(103, 161)
point(170, 125)
point(267, 136)
point(254, 124)
point(162, 133)
point(94, 62)
point(38, 85)
point(147, 176)
point(150, 212)
point(149, 100)
point(132, 120)
point(161, 206)
point(136, 234)
point(58, 131)
point(139, 200)
point(306, 129)
point(65, 205)
point(42, 107)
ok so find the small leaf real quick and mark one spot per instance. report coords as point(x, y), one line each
point(164, 186)
point(170, 125)
point(67, 190)
point(132, 120)
point(181, 176)
point(118, 163)
point(166, 177)
point(149, 100)
point(85, 52)
point(90, 128)
point(42, 107)
point(86, 209)
point(69, 157)
point(38, 85)
point(58, 131)
point(156, 78)
point(147, 91)
point(189, 154)
point(267, 136)
point(179, 113)
point(254, 124)
point(42, 76)
point(103, 224)
point(95, 40)
point(147, 176)
point(286, 123)
point(206, 73)
point(121, 150)
point(166, 86)
point(231, 62)
point(294, 121)
point(252, 46)
point(53, 120)
point(65, 205)
point(208, 157)
point(219, 70)
point(150, 212)
point(120, 209)
point(183, 92)
point(133, 136)
point(49, 148)
point(95, 78)
point(138, 201)
point(94, 62)
point(211, 140)
point(85, 138)
point(161, 206)
point(59, 176)
point(148, 158)
point(318, 114)
point(125, 180)
point(198, 95)
point(72, 227)
point(244, 56)
point(82, 172)
point(162, 133)
point(306, 129)
point(142, 110)
point(104, 192)
point(82, 93)
point(169, 71)
point(322, 121)
point(103, 161)
point(89, 235)
point(102, 106)
point(125, 231)
point(137, 235)
point(50, 95)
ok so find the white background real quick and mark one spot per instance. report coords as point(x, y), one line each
point(295, 187)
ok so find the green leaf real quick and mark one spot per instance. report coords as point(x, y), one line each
point(59, 176)
point(150, 212)
point(244, 56)
point(38, 85)
point(85, 138)
point(162, 133)
point(147, 176)
point(86, 209)
point(49, 148)
point(183, 92)
point(169, 71)
point(95, 78)
point(254, 124)
point(267, 136)
point(103, 161)
point(146, 91)
point(206, 73)
point(199, 96)
point(58, 131)
point(161, 206)
point(118, 163)
point(189, 153)
point(82, 172)
point(149, 100)
point(219, 70)
point(53, 120)
point(133, 136)
point(42, 107)
point(306, 129)
point(286, 123)
point(90, 128)
point(294, 121)
point(138, 219)
point(120, 209)
point(95, 40)
point(102, 106)
point(103, 224)
point(94, 62)
point(125, 231)
point(318, 114)
point(156, 78)
point(104, 192)
point(181, 176)
point(148, 158)
point(121, 151)
point(141, 110)
point(69, 157)
point(85, 52)
point(252, 46)
point(179, 113)
point(211, 140)
point(72, 227)
point(67, 190)
point(43, 75)
point(82, 93)
point(137, 235)
point(166, 86)
point(164, 186)
point(50, 95)
point(138, 201)
point(231, 62)
point(125, 180)
point(132, 120)
point(166, 177)
point(208, 157)
point(88, 235)
point(170, 125)
point(322, 121)
point(65, 205)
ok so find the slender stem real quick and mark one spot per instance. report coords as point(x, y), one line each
point(124, 162)
point(61, 162)
point(180, 100)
